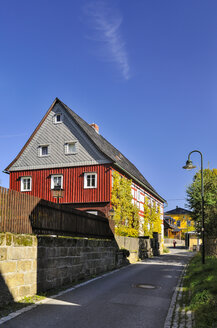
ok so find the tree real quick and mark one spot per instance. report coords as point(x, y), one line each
point(210, 201)
point(126, 214)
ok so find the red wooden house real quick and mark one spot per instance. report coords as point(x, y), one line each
point(66, 152)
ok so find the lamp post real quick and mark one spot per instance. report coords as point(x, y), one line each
point(189, 165)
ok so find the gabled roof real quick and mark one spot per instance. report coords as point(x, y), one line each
point(178, 210)
point(169, 225)
point(103, 145)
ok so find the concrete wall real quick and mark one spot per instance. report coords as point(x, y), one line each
point(168, 242)
point(18, 266)
point(30, 264)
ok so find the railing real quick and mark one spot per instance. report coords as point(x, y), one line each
point(22, 213)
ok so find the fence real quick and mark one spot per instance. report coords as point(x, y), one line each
point(22, 213)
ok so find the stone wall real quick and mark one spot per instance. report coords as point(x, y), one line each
point(62, 261)
point(139, 248)
point(30, 264)
point(18, 266)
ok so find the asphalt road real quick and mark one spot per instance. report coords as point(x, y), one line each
point(136, 296)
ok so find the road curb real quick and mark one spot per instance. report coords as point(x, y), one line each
point(174, 309)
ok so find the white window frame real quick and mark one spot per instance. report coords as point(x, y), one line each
point(92, 212)
point(138, 195)
point(40, 151)
point(55, 118)
point(52, 180)
point(67, 143)
point(22, 183)
point(85, 180)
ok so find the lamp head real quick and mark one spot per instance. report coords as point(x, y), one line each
point(189, 165)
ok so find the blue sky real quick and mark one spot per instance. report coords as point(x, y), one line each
point(144, 71)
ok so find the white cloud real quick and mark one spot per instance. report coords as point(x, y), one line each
point(106, 23)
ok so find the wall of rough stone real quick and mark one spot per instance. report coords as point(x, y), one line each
point(139, 248)
point(30, 264)
point(18, 266)
point(62, 261)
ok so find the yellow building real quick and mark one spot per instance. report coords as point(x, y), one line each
point(183, 220)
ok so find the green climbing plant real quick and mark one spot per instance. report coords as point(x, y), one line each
point(126, 214)
point(152, 219)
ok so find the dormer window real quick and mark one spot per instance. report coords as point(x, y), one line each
point(43, 150)
point(71, 147)
point(58, 118)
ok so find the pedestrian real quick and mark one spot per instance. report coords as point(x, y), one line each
point(174, 243)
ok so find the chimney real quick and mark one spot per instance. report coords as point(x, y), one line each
point(95, 127)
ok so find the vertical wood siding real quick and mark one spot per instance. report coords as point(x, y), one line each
point(73, 183)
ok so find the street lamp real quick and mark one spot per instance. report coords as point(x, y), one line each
point(189, 165)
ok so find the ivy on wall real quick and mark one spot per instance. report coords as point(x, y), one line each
point(152, 219)
point(126, 214)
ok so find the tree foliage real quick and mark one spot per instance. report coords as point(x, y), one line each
point(210, 201)
point(126, 214)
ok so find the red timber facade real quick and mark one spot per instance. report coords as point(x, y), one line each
point(73, 186)
point(65, 147)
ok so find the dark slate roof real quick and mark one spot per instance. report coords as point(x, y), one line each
point(110, 151)
point(178, 210)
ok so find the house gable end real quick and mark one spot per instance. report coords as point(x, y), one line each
point(59, 133)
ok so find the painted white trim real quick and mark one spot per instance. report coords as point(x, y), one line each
point(55, 118)
point(67, 151)
point(22, 183)
point(92, 212)
point(85, 180)
point(56, 176)
point(40, 150)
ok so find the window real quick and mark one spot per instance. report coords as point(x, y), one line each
point(71, 147)
point(56, 181)
point(178, 223)
point(138, 195)
point(92, 212)
point(90, 180)
point(43, 150)
point(26, 184)
point(58, 118)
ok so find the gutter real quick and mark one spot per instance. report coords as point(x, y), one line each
point(146, 187)
point(5, 172)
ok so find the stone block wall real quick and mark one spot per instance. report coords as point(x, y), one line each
point(18, 266)
point(139, 248)
point(31, 264)
point(62, 261)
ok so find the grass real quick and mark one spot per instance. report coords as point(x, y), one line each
point(200, 291)
point(165, 250)
point(15, 306)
